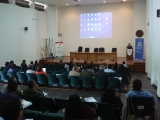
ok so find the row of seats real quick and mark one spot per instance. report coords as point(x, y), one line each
point(101, 49)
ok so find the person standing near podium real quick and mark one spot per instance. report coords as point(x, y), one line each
point(129, 46)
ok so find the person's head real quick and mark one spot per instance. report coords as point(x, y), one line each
point(11, 110)
point(115, 67)
point(12, 86)
point(11, 62)
point(123, 62)
point(31, 84)
point(24, 61)
point(7, 64)
point(85, 67)
point(30, 67)
point(137, 84)
point(39, 68)
point(35, 62)
point(10, 79)
point(13, 66)
point(109, 66)
point(31, 62)
point(76, 68)
point(110, 92)
point(60, 61)
point(129, 44)
point(85, 62)
point(121, 68)
point(101, 67)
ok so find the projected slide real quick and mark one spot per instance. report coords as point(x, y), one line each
point(96, 25)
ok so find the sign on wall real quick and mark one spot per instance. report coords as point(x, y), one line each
point(139, 48)
point(59, 49)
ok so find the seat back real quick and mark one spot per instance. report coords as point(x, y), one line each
point(60, 103)
point(114, 49)
point(11, 74)
point(99, 82)
point(80, 49)
point(74, 81)
point(51, 116)
point(107, 111)
point(86, 50)
point(63, 81)
point(21, 77)
point(3, 76)
point(31, 114)
point(47, 104)
point(101, 49)
point(142, 106)
point(41, 79)
point(52, 80)
point(31, 76)
point(86, 82)
point(95, 49)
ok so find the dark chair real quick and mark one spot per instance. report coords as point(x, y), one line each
point(63, 81)
point(114, 82)
point(21, 77)
point(86, 50)
point(99, 83)
point(31, 114)
point(31, 76)
point(47, 104)
point(52, 80)
point(60, 103)
point(11, 74)
point(90, 104)
point(107, 111)
point(75, 81)
point(124, 81)
point(95, 49)
point(80, 49)
point(41, 79)
point(101, 49)
point(51, 116)
point(142, 107)
point(87, 82)
point(3, 77)
point(114, 50)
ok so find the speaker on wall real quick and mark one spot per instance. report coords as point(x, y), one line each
point(158, 13)
point(26, 28)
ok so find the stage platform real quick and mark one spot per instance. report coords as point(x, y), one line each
point(133, 64)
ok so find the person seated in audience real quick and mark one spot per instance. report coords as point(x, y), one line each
point(6, 68)
point(10, 63)
point(110, 97)
point(30, 70)
point(115, 67)
point(124, 64)
point(61, 62)
point(39, 70)
point(102, 74)
point(76, 109)
point(32, 89)
point(105, 65)
point(137, 91)
point(9, 94)
point(24, 65)
point(120, 69)
point(12, 68)
point(31, 64)
point(70, 65)
point(109, 69)
point(85, 72)
point(12, 79)
point(74, 72)
point(91, 66)
point(35, 65)
point(11, 110)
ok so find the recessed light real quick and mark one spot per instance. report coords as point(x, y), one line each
point(104, 1)
point(79, 0)
point(124, 0)
point(66, 4)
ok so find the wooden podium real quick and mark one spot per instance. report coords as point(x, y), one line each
point(129, 54)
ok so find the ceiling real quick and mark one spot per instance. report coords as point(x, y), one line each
point(77, 2)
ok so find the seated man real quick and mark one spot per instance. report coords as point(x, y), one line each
point(109, 69)
point(74, 72)
point(124, 64)
point(18, 91)
point(137, 92)
point(32, 89)
point(85, 72)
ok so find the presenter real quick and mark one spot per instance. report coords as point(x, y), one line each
point(129, 46)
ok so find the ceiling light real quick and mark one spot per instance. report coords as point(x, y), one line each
point(124, 0)
point(79, 0)
point(104, 1)
point(66, 4)
point(29, 1)
point(41, 4)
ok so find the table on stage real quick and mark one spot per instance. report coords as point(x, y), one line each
point(93, 56)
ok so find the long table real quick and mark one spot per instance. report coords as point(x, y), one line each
point(90, 56)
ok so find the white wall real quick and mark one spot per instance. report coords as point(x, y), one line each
point(123, 27)
point(15, 43)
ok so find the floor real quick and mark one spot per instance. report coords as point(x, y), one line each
point(64, 93)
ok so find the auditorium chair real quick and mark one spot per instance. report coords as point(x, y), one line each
point(86, 50)
point(80, 49)
point(95, 49)
point(114, 49)
point(101, 49)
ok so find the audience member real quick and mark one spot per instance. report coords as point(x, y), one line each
point(109, 69)
point(91, 66)
point(74, 72)
point(9, 95)
point(39, 70)
point(137, 92)
point(31, 64)
point(124, 64)
point(110, 97)
point(11, 110)
point(30, 70)
point(115, 67)
point(35, 65)
point(85, 72)
point(102, 74)
point(12, 68)
point(32, 89)
point(76, 109)
point(11, 62)
point(12, 79)
point(105, 65)
point(61, 62)
point(120, 69)
point(24, 65)
point(70, 65)
point(6, 68)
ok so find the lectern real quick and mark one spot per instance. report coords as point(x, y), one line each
point(129, 54)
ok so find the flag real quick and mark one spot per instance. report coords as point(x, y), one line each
point(42, 48)
point(46, 48)
point(49, 51)
point(52, 53)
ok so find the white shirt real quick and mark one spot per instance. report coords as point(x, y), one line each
point(109, 71)
point(30, 71)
